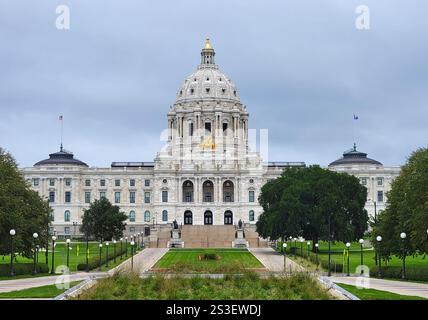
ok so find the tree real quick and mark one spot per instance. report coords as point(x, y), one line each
point(407, 210)
point(302, 202)
point(103, 221)
point(21, 209)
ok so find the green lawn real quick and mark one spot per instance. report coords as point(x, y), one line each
point(337, 256)
point(77, 254)
point(49, 291)
point(186, 260)
point(372, 294)
point(248, 286)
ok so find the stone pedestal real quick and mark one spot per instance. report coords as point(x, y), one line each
point(176, 241)
point(240, 241)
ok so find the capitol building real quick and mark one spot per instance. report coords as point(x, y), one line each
point(207, 175)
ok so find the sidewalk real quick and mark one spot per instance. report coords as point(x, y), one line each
point(143, 261)
point(400, 287)
point(273, 261)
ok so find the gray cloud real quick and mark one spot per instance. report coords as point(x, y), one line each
point(301, 67)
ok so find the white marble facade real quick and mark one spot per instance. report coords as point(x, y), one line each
point(205, 174)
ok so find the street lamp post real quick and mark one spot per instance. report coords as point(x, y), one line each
point(295, 247)
point(301, 247)
point(53, 254)
point(329, 245)
point(121, 250)
point(284, 245)
point(316, 253)
point(361, 241)
point(68, 253)
point(35, 236)
point(403, 237)
point(126, 247)
point(347, 253)
point(291, 243)
point(12, 233)
point(100, 258)
point(379, 239)
point(107, 244)
point(87, 253)
point(309, 244)
point(132, 255)
point(114, 251)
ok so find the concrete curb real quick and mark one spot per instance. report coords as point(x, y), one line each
point(338, 290)
point(85, 284)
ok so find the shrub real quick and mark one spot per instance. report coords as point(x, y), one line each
point(394, 272)
point(94, 263)
point(22, 268)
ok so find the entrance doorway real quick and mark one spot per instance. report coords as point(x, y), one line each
point(208, 217)
point(228, 217)
point(188, 217)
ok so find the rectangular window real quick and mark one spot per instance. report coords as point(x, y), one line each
point(51, 182)
point(380, 196)
point(164, 196)
point(251, 196)
point(131, 229)
point(117, 183)
point(132, 183)
point(87, 183)
point(102, 183)
point(208, 126)
point(36, 182)
point(102, 194)
point(87, 197)
point(67, 196)
point(363, 181)
point(132, 197)
point(147, 183)
point(117, 197)
point(379, 181)
point(146, 197)
point(68, 182)
point(52, 196)
point(191, 129)
point(66, 230)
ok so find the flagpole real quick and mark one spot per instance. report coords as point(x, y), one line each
point(62, 125)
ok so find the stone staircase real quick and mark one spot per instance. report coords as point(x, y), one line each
point(208, 236)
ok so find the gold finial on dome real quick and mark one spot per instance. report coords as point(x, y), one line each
point(208, 44)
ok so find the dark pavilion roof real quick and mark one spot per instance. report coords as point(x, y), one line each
point(62, 157)
point(354, 156)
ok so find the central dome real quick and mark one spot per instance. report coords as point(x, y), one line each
point(208, 82)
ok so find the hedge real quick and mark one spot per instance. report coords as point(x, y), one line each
point(22, 268)
point(419, 273)
point(94, 263)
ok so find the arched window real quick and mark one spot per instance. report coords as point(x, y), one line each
point(208, 217)
point(132, 216)
point(188, 191)
point(228, 191)
point(164, 215)
point(208, 191)
point(147, 216)
point(228, 217)
point(251, 215)
point(188, 217)
point(67, 216)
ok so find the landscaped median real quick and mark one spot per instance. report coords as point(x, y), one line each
point(248, 286)
point(208, 261)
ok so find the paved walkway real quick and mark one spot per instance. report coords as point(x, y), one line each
point(273, 261)
point(143, 261)
point(399, 287)
point(20, 284)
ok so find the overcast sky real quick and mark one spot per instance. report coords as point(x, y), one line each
point(302, 68)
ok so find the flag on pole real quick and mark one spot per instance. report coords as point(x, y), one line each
point(355, 117)
point(60, 118)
